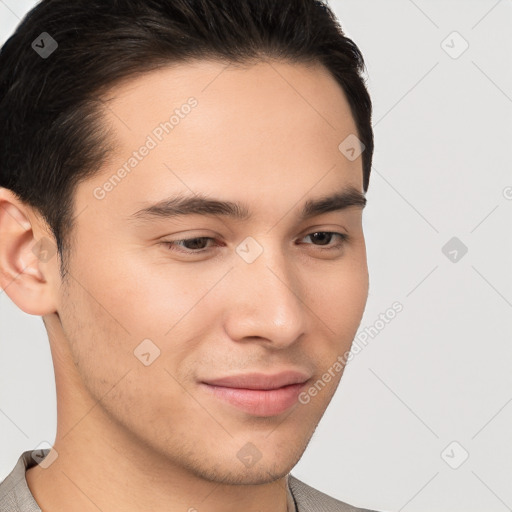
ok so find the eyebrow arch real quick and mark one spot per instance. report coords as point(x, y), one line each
point(201, 204)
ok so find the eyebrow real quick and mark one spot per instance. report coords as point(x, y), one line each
point(200, 204)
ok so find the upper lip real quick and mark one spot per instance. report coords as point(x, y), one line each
point(260, 380)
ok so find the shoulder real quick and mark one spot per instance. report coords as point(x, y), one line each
point(309, 499)
point(15, 495)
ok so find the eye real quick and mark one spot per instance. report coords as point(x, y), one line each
point(324, 236)
point(197, 245)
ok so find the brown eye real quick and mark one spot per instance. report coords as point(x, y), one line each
point(191, 245)
point(324, 237)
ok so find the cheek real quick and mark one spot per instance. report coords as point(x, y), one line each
point(102, 338)
point(339, 297)
point(104, 317)
point(139, 298)
point(348, 300)
point(134, 306)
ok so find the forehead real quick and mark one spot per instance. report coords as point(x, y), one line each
point(271, 127)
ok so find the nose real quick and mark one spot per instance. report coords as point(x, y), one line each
point(266, 301)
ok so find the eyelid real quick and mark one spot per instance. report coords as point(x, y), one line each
point(343, 238)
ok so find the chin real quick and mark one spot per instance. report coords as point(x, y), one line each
point(234, 472)
point(254, 476)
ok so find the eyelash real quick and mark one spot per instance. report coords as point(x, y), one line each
point(171, 244)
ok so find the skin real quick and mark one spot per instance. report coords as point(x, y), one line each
point(133, 437)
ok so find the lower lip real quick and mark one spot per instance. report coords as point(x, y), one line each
point(258, 402)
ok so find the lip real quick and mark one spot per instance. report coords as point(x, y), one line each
point(257, 393)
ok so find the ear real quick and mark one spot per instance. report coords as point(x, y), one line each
point(29, 263)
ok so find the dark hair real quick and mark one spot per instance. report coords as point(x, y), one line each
point(51, 131)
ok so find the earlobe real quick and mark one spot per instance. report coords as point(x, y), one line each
point(25, 267)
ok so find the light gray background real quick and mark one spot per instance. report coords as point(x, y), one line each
point(440, 371)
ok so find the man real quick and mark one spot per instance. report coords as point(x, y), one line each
point(183, 188)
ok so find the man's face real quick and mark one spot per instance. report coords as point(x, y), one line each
point(256, 295)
